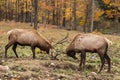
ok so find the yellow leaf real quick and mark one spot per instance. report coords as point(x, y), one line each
point(106, 1)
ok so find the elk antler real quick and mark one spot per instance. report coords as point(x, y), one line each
point(63, 40)
point(59, 42)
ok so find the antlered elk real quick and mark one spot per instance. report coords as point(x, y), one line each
point(27, 37)
point(83, 43)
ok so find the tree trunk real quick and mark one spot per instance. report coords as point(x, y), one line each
point(16, 11)
point(74, 14)
point(5, 10)
point(64, 18)
point(26, 13)
point(45, 14)
point(53, 11)
point(31, 17)
point(116, 24)
point(92, 17)
point(70, 15)
point(36, 13)
point(86, 17)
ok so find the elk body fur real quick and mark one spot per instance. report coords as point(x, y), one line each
point(27, 37)
point(83, 43)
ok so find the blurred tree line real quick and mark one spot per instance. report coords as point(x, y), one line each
point(84, 15)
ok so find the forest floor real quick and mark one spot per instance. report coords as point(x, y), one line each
point(64, 68)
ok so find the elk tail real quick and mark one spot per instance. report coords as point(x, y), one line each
point(108, 41)
point(9, 32)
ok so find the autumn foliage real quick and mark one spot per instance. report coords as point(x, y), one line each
point(71, 14)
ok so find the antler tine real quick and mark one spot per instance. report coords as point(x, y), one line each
point(63, 40)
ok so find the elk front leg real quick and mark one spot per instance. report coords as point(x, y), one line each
point(33, 51)
point(83, 59)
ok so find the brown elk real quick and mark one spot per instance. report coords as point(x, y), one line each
point(27, 37)
point(83, 43)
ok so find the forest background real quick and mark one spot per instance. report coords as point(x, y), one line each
point(81, 15)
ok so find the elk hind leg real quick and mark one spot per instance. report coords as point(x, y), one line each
point(14, 49)
point(7, 47)
point(108, 61)
point(102, 62)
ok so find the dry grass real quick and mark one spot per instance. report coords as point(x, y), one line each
point(43, 68)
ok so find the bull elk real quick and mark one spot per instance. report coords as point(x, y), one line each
point(27, 37)
point(83, 43)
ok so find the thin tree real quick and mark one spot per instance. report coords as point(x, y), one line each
point(64, 12)
point(31, 17)
point(53, 11)
point(0, 11)
point(6, 10)
point(86, 17)
point(26, 7)
point(17, 9)
point(45, 13)
point(70, 22)
point(92, 17)
point(36, 13)
point(74, 14)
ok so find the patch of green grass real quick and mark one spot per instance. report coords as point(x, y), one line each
point(116, 61)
